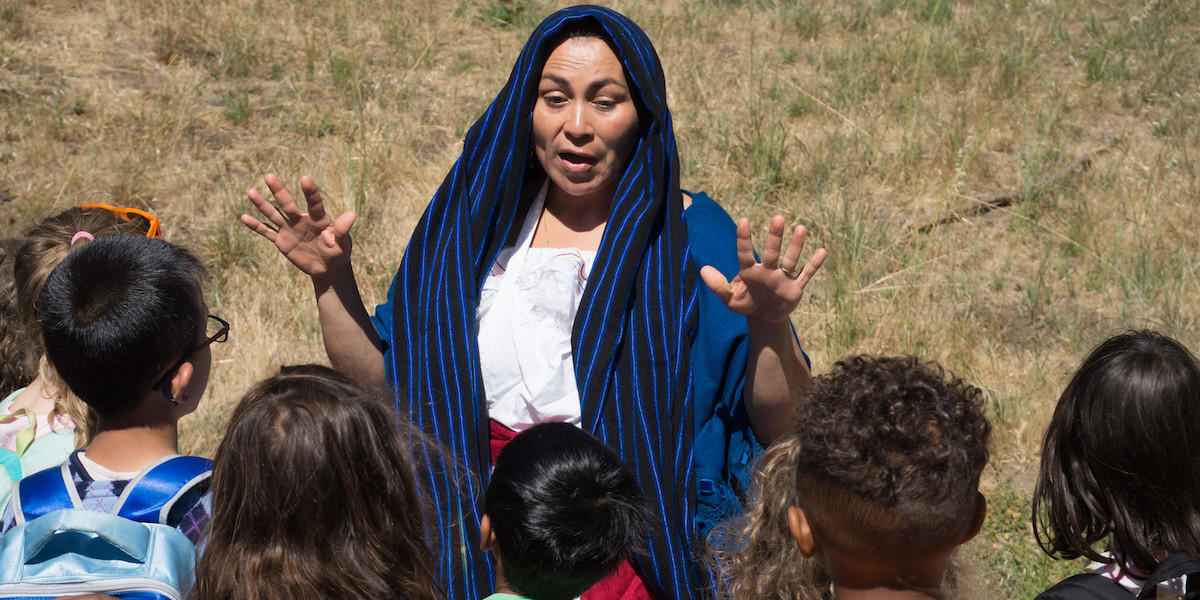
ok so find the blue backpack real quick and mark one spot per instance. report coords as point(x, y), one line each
point(58, 548)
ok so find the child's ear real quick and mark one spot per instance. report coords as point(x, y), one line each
point(977, 519)
point(180, 381)
point(802, 531)
point(487, 537)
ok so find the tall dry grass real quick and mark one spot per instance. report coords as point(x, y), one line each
point(858, 118)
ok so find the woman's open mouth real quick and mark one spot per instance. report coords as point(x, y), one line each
point(576, 162)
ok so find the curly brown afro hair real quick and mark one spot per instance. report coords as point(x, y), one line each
point(891, 450)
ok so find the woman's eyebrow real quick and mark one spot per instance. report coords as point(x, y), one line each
point(556, 79)
point(595, 85)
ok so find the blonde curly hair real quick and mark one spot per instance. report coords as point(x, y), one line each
point(765, 563)
point(18, 359)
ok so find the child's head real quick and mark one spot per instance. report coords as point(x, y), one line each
point(33, 257)
point(888, 459)
point(314, 497)
point(123, 316)
point(1121, 457)
point(49, 242)
point(563, 511)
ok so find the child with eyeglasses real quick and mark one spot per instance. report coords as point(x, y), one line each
point(41, 420)
point(126, 327)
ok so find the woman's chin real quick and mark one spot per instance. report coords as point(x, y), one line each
point(578, 185)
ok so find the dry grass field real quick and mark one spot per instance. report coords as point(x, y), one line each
point(864, 119)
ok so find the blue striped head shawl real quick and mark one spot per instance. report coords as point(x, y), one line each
point(631, 335)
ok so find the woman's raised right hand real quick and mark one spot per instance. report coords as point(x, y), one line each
point(316, 244)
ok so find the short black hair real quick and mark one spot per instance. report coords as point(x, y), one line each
point(116, 312)
point(1121, 457)
point(565, 510)
point(892, 448)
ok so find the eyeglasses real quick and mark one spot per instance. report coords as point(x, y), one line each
point(154, 231)
point(217, 331)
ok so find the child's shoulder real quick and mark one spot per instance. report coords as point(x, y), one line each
point(173, 490)
point(1175, 574)
point(192, 509)
point(1086, 586)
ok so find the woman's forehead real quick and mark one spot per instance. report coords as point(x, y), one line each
point(588, 58)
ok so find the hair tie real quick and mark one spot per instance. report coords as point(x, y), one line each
point(82, 235)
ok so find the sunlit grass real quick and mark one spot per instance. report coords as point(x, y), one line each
point(857, 118)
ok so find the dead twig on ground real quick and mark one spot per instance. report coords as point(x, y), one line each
point(1007, 197)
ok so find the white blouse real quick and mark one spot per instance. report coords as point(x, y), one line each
point(526, 311)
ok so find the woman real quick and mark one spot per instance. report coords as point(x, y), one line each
point(576, 155)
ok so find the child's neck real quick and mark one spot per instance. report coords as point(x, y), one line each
point(881, 593)
point(502, 586)
point(927, 589)
point(129, 449)
point(35, 397)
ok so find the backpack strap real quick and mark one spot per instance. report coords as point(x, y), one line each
point(1171, 567)
point(1086, 586)
point(150, 496)
point(44, 492)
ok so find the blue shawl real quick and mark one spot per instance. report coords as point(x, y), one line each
point(630, 340)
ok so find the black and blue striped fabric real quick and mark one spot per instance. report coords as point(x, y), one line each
point(630, 339)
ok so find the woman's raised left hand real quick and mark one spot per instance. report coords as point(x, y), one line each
point(770, 289)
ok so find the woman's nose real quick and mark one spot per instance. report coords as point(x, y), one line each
point(579, 123)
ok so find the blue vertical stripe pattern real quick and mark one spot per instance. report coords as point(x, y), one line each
point(630, 341)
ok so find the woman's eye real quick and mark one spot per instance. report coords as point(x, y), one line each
point(554, 99)
point(605, 104)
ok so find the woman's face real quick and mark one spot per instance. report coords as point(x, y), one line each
point(585, 122)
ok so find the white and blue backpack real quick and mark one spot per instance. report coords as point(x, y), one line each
point(58, 548)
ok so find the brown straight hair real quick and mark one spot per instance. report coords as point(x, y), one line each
point(313, 497)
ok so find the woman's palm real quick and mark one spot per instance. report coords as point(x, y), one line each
point(312, 241)
point(770, 289)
